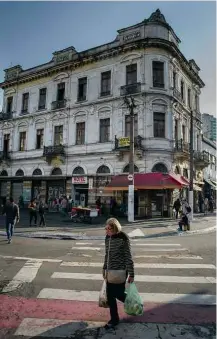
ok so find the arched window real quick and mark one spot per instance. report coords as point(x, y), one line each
point(127, 168)
point(4, 173)
point(37, 171)
point(56, 171)
point(185, 172)
point(177, 170)
point(103, 170)
point(78, 170)
point(19, 173)
point(160, 168)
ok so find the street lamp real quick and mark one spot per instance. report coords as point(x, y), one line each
point(131, 105)
point(191, 166)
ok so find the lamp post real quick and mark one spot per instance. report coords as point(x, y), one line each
point(191, 166)
point(131, 105)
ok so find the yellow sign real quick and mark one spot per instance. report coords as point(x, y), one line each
point(124, 142)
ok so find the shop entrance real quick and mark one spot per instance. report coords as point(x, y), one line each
point(81, 195)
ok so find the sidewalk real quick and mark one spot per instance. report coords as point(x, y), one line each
point(139, 229)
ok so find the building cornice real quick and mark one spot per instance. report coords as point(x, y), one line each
point(208, 142)
point(93, 55)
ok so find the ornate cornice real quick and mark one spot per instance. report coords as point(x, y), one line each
point(85, 58)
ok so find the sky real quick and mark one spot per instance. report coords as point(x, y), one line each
point(31, 31)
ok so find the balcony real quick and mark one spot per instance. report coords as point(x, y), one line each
point(130, 89)
point(52, 151)
point(201, 159)
point(4, 156)
point(181, 150)
point(178, 95)
point(6, 116)
point(58, 104)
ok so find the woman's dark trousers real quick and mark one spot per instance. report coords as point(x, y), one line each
point(33, 215)
point(115, 291)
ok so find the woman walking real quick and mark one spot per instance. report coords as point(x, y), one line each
point(118, 267)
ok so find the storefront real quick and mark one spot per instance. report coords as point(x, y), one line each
point(80, 190)
point(153, 192)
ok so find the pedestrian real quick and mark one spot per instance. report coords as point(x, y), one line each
point(118, 267)
point(177, 206)
point(32, 212)
point(12, 216)
point(41, 212)
point(64, 204)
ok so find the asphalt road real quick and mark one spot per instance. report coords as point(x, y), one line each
point(48, 285)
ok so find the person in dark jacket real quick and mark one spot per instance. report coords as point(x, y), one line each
point(177, 206)
point(11, 210)
point(41, 212)
point(32, 212)
point(118, 267)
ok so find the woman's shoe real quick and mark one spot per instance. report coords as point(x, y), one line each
point(111, 324)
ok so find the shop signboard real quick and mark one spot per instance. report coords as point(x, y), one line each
point(79, 180)
point(124, 142)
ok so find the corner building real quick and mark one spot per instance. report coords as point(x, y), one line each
point(63, 123)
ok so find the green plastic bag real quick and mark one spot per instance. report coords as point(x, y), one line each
point(133, 303)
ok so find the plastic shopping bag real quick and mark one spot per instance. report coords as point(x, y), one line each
point(103, 301)
point(133, 303)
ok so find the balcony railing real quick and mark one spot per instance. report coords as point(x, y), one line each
point(53, 150)
point(177, 95)
point(130, 89)
point(201, 157)
point(58, 104)
point(4, 155)
point(6, 116)
point(181, 146)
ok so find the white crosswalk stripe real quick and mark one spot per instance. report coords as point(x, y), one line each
point(165, 273)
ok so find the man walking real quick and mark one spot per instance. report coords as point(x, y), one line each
point(11, 210)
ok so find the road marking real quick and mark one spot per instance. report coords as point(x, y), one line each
point(25, 275)
point(27, 258)
point(51, 328)
point(146, 265)
point(150, 244)
point(141, 249)
point(196, 257)
point(140, 278)
point(83, 243)
point(198, 299)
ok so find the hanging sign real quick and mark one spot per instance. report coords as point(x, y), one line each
point(79, 180)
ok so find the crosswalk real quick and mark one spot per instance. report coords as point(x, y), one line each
point(166, 275)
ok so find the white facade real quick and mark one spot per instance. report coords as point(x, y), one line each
point(210, 171)
point(115, 57)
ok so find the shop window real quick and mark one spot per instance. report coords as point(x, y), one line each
point(58, 135)
point(19, 173)
point(127, 125)
point(22, 145)
point(160, 168)
point(104, 132)
point(159, 125)
point(127, 169)
point(80, 133)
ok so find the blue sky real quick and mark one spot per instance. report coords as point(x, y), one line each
point(31, 31)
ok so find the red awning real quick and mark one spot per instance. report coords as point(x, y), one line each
point(147, 181)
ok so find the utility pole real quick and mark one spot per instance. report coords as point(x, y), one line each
point(191, 166)
point(131, 105)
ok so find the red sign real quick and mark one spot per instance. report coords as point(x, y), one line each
point(79, 180)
